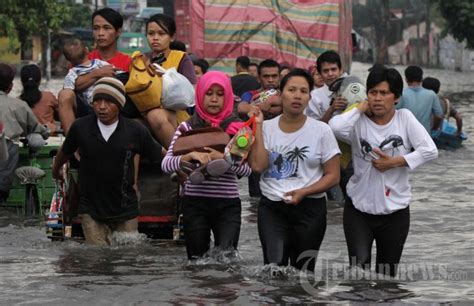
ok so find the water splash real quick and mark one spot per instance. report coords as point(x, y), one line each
point(127, 238)
point(273, 272)
point(217, 256)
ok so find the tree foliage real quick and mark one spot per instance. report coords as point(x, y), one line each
point(459, 16)
point(20, 19)
point(7, 29)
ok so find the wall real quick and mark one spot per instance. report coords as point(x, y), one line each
point(454, 55)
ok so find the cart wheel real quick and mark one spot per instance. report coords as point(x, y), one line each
point(32, 201)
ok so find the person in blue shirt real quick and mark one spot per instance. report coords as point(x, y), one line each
point(423, 103)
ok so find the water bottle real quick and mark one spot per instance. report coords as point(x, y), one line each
point(243, 141)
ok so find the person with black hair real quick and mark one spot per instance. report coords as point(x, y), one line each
point(178, 45)
point(76, 52)
point(18, 121)
point(253, 69)
point(44, 104)
point(299, 161)
point(269, 78)
point(318, 79)
point(108, 143)
point(423, 103)
point(448, 109)
point(160, 33)
point(321, 107)
point(106, 29)
point(386, 144)
point(243, 81)
point(200, 67)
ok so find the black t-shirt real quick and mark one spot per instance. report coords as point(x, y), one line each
point(106, 172)
point(243, 82)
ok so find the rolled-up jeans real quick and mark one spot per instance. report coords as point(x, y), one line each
point(98, 233)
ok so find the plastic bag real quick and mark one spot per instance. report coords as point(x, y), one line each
point(56, 208)
point(178, 92)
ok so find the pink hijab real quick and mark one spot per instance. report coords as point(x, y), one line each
point(205, 82)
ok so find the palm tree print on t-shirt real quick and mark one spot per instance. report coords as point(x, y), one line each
point(284, 162)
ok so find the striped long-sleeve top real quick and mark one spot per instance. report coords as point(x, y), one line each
point(225, 186)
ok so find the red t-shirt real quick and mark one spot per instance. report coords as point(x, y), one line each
point(120, 60)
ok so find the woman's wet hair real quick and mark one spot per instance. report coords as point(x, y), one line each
point(297, 72)
point(389, 75)
point(31, 79)
point(113, 17)
point(163, 21)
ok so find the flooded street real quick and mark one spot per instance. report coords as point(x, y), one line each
point(437, 264)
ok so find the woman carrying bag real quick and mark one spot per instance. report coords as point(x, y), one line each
point(211, 203)
point(160, 32)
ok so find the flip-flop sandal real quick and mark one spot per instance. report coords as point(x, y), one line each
point(197, 176)
point(217, 167)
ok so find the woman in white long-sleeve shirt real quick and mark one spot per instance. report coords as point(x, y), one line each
point(386, 143)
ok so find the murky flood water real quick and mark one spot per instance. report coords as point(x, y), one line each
point(437, 263)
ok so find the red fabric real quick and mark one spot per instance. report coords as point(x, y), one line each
point(292, 31)
point(205, 82)
point(120, 60)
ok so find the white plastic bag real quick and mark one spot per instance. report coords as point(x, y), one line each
point(178, 92)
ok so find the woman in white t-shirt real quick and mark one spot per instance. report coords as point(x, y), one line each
point(299, 160)
point(382, 141)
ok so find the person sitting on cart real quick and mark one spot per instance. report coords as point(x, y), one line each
point(447, 107)
point(18, 121)
point(108, 143)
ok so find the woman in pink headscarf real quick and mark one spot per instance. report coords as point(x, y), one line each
point(211, 203)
